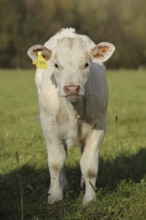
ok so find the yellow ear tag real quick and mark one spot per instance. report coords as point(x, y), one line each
point(40, 62)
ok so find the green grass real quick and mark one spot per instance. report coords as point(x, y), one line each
point(24, 178)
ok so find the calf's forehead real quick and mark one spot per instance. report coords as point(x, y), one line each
point(71, 51)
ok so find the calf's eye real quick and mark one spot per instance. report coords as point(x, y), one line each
point(86, 65)
point(56, 65)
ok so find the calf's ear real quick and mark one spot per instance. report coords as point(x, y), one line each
point(102, 51)
point(33, 52)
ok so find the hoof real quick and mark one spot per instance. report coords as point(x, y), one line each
point(52, 198)
point(88, 199)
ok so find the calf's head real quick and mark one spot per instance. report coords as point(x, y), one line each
point(71, 60)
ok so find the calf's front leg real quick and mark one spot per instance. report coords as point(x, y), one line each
point(89, 163)
point(56, 160)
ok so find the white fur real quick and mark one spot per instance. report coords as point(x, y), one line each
point(65, 122)
point(67, 32)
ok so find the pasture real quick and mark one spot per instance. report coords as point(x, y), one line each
point(24, 177)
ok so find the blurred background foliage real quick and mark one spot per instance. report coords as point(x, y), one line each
point(24, 23)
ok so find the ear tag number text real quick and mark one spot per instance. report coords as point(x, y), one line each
point(40, 62)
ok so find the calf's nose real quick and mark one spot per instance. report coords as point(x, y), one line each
point(72, 90)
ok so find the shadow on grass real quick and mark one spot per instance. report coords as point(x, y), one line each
point(131, 168)
point(35, 186)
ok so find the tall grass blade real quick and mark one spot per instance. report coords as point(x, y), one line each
point(20, 187)
point(117, 135)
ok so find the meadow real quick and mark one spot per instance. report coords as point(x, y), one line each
point(24, 176)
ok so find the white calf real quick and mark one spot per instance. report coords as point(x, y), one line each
point(73, 97)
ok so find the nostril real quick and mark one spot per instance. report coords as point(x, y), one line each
point(66, 89)
point(78, 89)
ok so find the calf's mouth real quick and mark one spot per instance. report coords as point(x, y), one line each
point(72, 98)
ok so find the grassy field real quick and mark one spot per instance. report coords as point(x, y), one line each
point(24, 177)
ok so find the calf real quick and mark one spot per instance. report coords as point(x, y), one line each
point(73, 98)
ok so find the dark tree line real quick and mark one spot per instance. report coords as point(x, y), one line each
point(27, 22)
